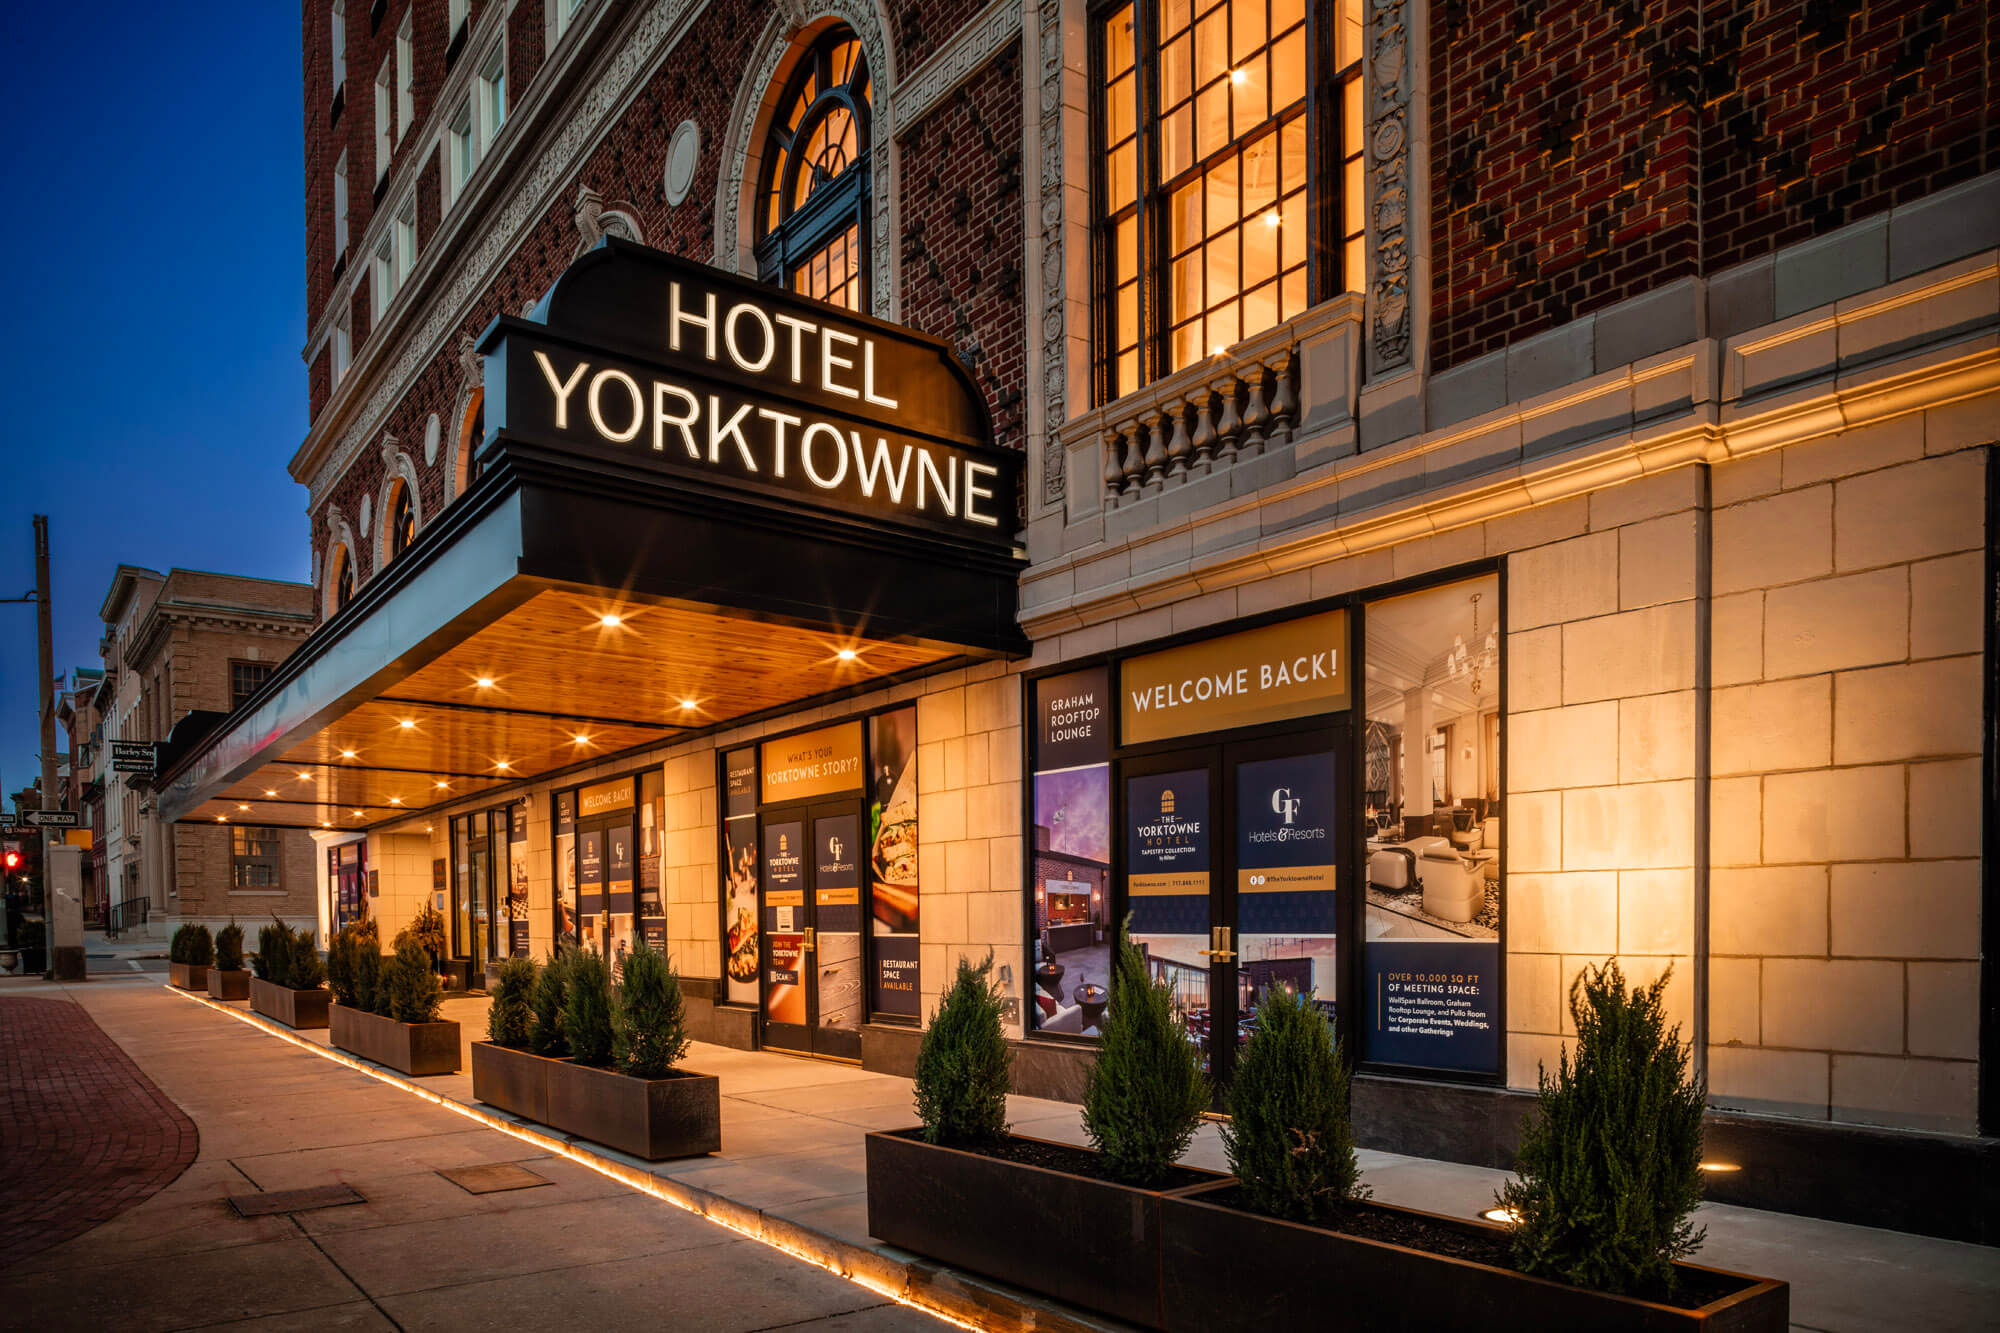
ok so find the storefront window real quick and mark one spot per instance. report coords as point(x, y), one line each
point(1071, 926)
point(253, 857)
point(483, 884)
point(1431, 952)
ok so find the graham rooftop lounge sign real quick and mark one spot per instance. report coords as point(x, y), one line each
point(671, 366)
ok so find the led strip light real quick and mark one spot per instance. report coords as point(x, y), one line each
point(631, 1177)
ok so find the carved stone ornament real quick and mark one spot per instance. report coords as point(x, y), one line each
point(587, 213)
point(1055, 459)
point(1389, 81)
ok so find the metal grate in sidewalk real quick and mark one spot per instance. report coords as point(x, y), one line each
point(293, 1201)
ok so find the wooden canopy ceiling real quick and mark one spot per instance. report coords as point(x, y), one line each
point(562, 678)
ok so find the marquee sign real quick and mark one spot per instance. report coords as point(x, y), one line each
point(678, 368)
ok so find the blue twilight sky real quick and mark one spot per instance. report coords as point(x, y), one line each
point(151, 214)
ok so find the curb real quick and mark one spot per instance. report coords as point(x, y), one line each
point(959, 1298)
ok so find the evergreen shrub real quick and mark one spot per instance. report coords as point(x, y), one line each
point(229, 948)
point(367, 946)
point(273, 959)
point(427, 928)
point(551, 996)
point(308, 970)
point(1609, 1173)
point(410, 986)
point(586, 1016)
point(963, 1063)
point(177, 947)
point(1147, 1091)
point(512, 1013)
point(649, 1032)
point(200, 946)
point(1290, 1141)
point(340, 966)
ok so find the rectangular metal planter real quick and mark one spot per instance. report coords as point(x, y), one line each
point(650, 1118)
point(515, 1081)
point(293, 1008)
point(416, 1049)
point(229, 984)
point(1084, 1241)
point(1227, 1267)
point(187, 976)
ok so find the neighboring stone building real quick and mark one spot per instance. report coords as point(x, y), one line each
point(77, 712)
point(124, 609)
point(192, 646)
point(1583, 418)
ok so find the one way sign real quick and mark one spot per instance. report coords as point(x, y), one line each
point(52, 818)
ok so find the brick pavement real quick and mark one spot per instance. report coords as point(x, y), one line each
point(83, 1134)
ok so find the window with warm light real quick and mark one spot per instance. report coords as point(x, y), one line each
point(814, 185)
point(253, 857)
point(1227, 196)
point(343, 580)
point(402, 521)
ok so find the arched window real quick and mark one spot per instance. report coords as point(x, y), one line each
point(343, 580)
point(401, 520)
point(471, 430)
point(813, 200)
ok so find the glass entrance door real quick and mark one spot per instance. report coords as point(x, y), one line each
point(1229, 877)
point(811, 914)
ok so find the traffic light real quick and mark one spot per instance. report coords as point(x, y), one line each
point(12, 857)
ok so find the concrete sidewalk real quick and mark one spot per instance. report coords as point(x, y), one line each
point(792, 1150)
point(567, 1247)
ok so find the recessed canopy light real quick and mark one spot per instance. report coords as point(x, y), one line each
point(444, 786)
point(269, 792)
point(408, 724)
point(1505, 1215)
point(1720, 1167)
point(305, 777)
point(689, 705)
point(222, 819)
point(847, 654)
point(484, 682)
point(502, 763)
point(347, 754)
point(610, 621)
point(326, 823)
point(242, 807)
point(357, 814)
point(395, 800)
point(581, 739)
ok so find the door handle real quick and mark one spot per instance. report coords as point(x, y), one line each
point(1218, 945)
point(809, 945)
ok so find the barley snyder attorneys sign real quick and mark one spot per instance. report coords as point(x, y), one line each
point(678, 368)
point(1273, 674)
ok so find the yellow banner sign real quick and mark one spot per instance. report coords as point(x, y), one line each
point(1290, 670)
point(1153, 886)
point(837, 897)
point(814, 763)
point(606, 797)
point(785, 898)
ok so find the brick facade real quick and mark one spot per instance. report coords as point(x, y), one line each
point(1587, 154)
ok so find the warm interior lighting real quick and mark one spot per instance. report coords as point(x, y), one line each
point(408, 724)
point(222, 819)
point(242, 807)
point(688, 705)
point(484, 682)
point(1239, 77)
point(581, 739)
point(305, 777)
point(347, 754)
point(357, 814)
point(610, 621)
point(444, 786)
point(847, 654)
point(326, 823)
point(1217, 350)
point(502, 763)
point(395, 800)
point(269, 792)
point(1720, 1167)
point(1271, 219)
point(1506, 1215)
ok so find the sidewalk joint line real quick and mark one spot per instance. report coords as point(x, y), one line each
point(634, 1178)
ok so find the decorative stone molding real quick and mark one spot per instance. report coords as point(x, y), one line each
point(749, 113)
point(595, 221)
point(1054, 285)
point(567, 141)
point(397, 468)
point(1387, 78)
point(976, 43)
point(339, 538)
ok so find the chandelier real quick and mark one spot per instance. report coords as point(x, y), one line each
point(1472, 664)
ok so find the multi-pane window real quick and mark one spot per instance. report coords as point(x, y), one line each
point(343, 580)
point(406, 75)
point(340, 206)
point(406, 238)
point(337, 25)
point(383, 269)
point(492, 96)
point(454, 18)
point(245, 679)
point(462, 149)
point(815, 182)
point(385, 117)
point(564, 11)
point(343, 345)
point(1205, 222)
point(402, 522)
point(253, 857)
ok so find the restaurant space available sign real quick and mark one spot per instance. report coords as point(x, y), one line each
point(893, 900)
point(739, 874)
point(681, 368)
point(813, 763)
point(1295, 669)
